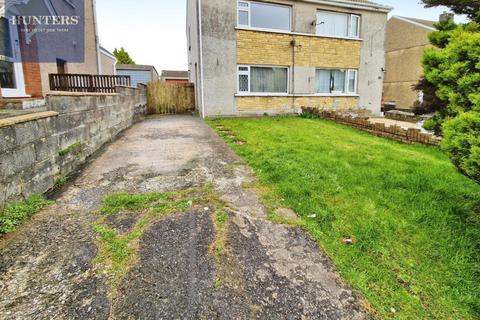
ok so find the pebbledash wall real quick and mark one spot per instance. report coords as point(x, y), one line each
point(39, 148)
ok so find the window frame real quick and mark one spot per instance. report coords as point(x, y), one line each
point(350, 17)
point(357, 32)
point(347, 87)
point(248, 73)
point(347, 79)
point(248, 9)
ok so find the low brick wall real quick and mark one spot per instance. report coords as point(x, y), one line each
point(37, 149)
point(402, 116)
point(379, 129)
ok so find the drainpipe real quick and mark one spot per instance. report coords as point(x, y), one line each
point(202, 95)
point(97, 43)
point(294, 44)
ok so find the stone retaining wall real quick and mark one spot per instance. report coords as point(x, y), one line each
point(379, 129)
point(40, 148)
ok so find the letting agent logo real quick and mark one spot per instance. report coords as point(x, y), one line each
point(45, 20)
point(44, 30)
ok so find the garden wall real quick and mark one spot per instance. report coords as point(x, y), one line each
point(379, 129)
point(38, 149)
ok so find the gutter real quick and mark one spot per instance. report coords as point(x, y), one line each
point(354, 5)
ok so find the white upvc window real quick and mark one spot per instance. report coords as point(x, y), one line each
point(262, 79)
point(267, 16)
point(336, 24)
point(336, 81)
point(354, 27)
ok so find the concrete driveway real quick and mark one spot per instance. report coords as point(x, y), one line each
point(49, 269)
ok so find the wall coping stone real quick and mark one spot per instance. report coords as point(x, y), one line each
point(27, 118)
point(80, 94)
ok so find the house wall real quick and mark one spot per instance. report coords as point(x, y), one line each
point(219, 18)
point(30, 158)
point(405, 45)
point(193, 44)
point(107, 64)
point(90, 66)
point(225, 46)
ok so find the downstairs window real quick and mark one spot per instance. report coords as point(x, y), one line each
point(257, 79)
point(336, 81)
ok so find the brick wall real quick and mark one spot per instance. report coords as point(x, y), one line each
point(284, 104)
point(267, 48)
point(31, 66)
point(397, 133)
point(30, 158)
point(311, 52)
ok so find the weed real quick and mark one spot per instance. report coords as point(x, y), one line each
point(61, 181)
point(69, 149)
point(13, 215)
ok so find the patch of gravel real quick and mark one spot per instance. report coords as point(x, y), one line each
point(174, 275)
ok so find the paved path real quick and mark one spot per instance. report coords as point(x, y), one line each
point(266, 271)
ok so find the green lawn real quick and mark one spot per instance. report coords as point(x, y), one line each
point(416, 220)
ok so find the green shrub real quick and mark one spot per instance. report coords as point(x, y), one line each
point(13, 215)
point(462, 143)
point(434, 124)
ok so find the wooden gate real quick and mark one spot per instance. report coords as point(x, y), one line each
point(169, 98)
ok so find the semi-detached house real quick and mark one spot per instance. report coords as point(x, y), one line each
point(256, 57)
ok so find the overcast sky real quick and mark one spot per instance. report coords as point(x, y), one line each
point(153, 31)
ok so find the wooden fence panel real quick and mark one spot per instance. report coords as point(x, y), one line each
point(87, 82)
point(170, 98)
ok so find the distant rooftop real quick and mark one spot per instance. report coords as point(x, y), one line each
point(135, 67)
point(425, 23)
point(174, 74)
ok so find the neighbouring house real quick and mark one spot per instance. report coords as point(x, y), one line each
point(108, 62)
point(172, 76)
point(255, 57)
point(142, 74)
point(406, 40)
point(22, 76)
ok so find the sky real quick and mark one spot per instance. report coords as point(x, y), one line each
point(153, 31)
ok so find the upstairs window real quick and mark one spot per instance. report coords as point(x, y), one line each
point(332, 81)
point(264, 16)
point(338, 24)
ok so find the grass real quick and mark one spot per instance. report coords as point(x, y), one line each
point(414, 218)
point(15, 214)
point(118, 252)
point(220, 219)
point(69, 149)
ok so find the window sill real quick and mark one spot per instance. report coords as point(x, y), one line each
point(262, 94)
point(296, 33)
point(296, 95)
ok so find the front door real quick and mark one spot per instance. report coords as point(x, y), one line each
point(11, 71)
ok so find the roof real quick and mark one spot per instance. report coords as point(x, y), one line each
point(107, 53)
point(419, 22)
point(136, 67)
point(357, 4)
point(174, 74)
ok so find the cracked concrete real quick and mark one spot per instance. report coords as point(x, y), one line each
point(267, 270)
